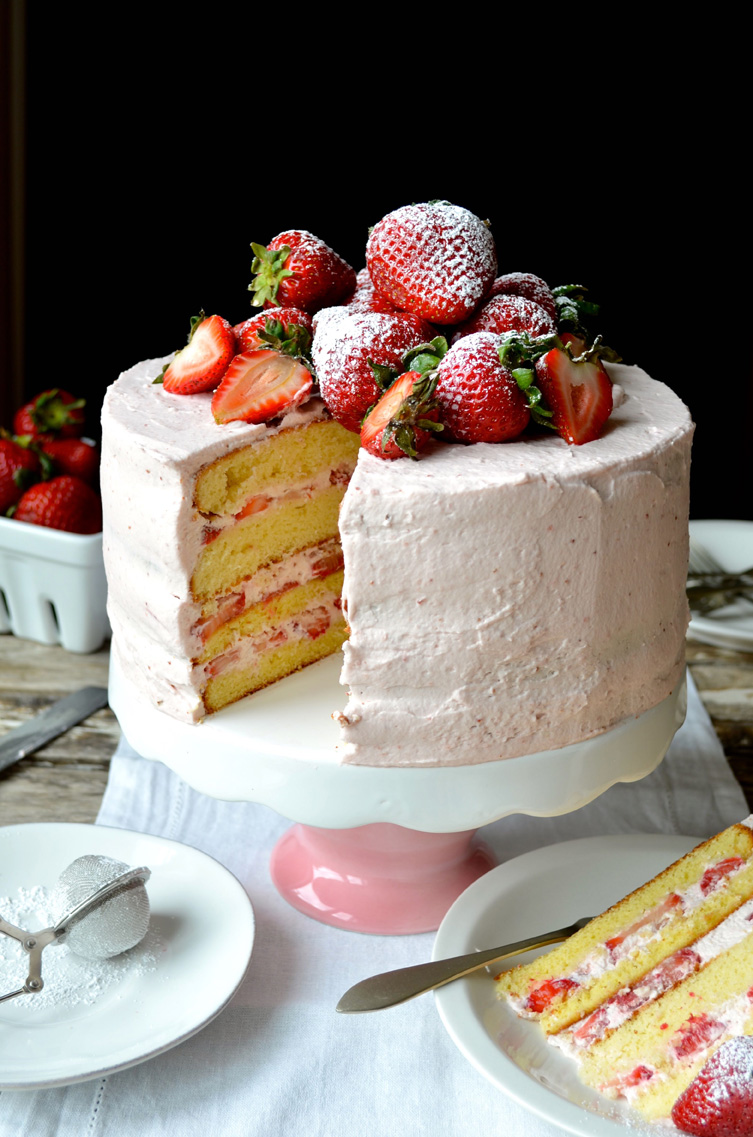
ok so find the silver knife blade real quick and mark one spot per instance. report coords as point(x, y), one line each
point(50, 723)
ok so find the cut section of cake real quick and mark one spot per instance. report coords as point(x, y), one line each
point(644, 994)
point(221, 543)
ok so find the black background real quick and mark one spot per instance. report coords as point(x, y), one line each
point(157, 155)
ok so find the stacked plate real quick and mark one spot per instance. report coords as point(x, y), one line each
point(730, 543)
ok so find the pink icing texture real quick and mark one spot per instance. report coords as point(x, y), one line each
point(510, 598)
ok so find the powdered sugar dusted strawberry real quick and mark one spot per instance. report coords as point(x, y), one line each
point(719, 1103)
point(435, 259)
point(479, 398)
point(527, 285)
point(509, 314)
point(367, 298)
point(297, 269)
point(358, 354)
point(202, 363)
point(261, 385)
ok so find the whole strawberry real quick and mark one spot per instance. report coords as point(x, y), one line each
point(62, 503)
point(367, 298)
point(402, 422)
point(73, 456)
point(357, 355)
point(479, 398)
point(54, 413)
point(527, 285)
point(19, 467)
point(298, 270)
point(509, 314)
point(287, 329)
point(719, 1103)
point(435, 259)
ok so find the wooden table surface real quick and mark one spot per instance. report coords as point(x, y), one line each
point(65, 780)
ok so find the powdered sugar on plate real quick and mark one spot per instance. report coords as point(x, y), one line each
point(69, 980)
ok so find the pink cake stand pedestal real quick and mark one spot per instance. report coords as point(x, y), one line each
point(378, 878)
point(379, 850)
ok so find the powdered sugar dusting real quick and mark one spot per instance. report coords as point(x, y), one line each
point(435, 259)
point(346, 342)
point(69, 980)
point(509, 314)
point(528, 285)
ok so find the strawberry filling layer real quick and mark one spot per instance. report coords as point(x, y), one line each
point(314, 563)
point(304, 625)
point(626, 942)
point(625, 1003)
point(259, 503)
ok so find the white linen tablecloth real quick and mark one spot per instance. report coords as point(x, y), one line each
point(279, 1061)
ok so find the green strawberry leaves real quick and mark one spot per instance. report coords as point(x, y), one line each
point(269, 271)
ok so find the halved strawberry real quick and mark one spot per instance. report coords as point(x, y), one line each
point(201, 365)
point(578, 392)
point(260, 385)
point(401, 423)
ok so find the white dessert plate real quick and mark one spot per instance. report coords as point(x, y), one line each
point(731, 544)
point(202, 925)
point(548, 888)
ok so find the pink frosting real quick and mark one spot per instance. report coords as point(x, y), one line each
point(510, 598)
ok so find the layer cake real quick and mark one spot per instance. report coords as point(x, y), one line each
point(501, 599)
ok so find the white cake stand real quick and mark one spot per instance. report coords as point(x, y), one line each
point(380, 850)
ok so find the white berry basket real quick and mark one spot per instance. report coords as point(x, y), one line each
point(52, 586)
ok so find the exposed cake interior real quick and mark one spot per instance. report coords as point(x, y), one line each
point(222, 546)
point(269, 575)
point(644, 994)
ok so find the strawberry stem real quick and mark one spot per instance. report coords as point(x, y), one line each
point(269, 269)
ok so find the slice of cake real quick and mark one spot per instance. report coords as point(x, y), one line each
point(644, 994)
point(221, 543)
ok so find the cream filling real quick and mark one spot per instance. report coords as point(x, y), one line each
point(312, 563)
point(574, 1041)
point(732, 1017)
point(311, 623)
point(275, 495)
point(603, 959)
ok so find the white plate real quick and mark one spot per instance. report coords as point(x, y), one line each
point(731, 544)
point(204, 925)
point(547, 888)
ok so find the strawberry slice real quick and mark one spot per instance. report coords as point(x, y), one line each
point(714, 876)
point(260, 385)
point(578, 392)
point(541, 997)
point(201, 365)
point(401, 422)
